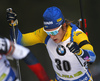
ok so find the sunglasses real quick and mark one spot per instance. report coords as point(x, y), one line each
point(54, 32)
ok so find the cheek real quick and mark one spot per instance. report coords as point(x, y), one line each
point(60, 34)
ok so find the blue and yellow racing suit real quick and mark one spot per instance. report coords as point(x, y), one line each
point(65, 63)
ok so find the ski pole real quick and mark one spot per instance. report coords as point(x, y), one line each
point(14, 40)
point(17, 61)
point(83, 25)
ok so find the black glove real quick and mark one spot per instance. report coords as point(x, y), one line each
point(11, 16)
point(74, 48)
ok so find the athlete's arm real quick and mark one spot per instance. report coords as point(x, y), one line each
point(36, 67)
point(32, 38)
point(87, 52)
point(19, 52)
point(27, 39)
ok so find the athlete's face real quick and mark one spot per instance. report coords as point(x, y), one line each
point(59, 36)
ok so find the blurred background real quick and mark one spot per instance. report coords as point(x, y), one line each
point(30, 18)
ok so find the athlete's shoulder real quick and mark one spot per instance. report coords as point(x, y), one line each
point(80, 37)
point(41, 34)
point(77, 34)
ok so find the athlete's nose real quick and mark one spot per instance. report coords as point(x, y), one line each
point(52, 36)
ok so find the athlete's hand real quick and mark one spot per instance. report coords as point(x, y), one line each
point(3, 46)
point(74, 48)
point(6, 47)
point(11, 16)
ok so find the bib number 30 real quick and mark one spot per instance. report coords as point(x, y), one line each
point(64, 65)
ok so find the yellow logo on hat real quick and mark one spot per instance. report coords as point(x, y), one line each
point(45, 26)
point(59, 19)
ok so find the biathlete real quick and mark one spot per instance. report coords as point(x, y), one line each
point(68, 46)
point(8, 48)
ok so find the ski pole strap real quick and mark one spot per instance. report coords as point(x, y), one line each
point(11, 33)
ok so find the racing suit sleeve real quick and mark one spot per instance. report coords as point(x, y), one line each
point(29, 39)
point(87, 52)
